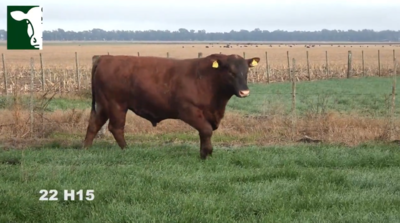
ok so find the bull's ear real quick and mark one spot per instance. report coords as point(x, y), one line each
point(18, 15)
point(215, 64)
point(253, 61)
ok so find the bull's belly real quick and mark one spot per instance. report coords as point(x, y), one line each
point(154, 115)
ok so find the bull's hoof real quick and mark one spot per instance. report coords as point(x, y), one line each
point(205, 153)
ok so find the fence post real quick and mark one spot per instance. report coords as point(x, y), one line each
point(392, 112)
point(167, 54)
point(31, 98)
point(267, 66)
point(293, 99)
point(326, 64)
point(363, 65)
point(42, 72)
point(60, 89)
point(200, 54)
point(138, 54)
point(4, 73)
point(78, 78)
point(308, 67)
point(379, 63)
point(244, 55)
point(288, 63)
point(349, 64)
point(108, 53)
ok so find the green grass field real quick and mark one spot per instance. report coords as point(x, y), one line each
point(170, 184)
point(365, 96)
point(158, 179)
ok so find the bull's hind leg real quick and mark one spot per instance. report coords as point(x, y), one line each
point(96, 121)
point(116, 125)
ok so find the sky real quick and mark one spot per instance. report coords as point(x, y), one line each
point(214, 15)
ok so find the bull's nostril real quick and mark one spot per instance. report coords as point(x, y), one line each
point(244, 93)
point(34, 40)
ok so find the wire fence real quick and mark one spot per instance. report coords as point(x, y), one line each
point(288, 114)
point(76, 77)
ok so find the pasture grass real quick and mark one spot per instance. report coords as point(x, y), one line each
point(301, 183)
point(364, 96)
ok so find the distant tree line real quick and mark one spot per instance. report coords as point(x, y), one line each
point(201, 35)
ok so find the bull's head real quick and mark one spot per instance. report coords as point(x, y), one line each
point(235, 69)
point(33, 19)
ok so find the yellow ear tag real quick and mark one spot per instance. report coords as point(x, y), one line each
point(215, 64)
point(254, 63)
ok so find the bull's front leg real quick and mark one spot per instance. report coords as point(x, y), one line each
point(195, 117)
point(206, 148)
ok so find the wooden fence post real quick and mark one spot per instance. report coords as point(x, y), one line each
point(4, 73)
point(288, 63)
point(138, 54)
point(167, 54)
point(392, 112)
point(326, 64)
point(200, 54)
point(244, 55)
point(267, 66)
point(308, 67)
point(78, 78)
point(42, 72)
point(293, 99)
point(31, 98)
point(379, 63)
point(349, 65)
point(363, 65)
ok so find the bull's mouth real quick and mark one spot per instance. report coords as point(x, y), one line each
point(36, 46)
point(244, 93)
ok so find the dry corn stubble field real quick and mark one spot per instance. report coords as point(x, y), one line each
point(63, 55)
point(59, 67)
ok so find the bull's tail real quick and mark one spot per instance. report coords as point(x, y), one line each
point(95, 60)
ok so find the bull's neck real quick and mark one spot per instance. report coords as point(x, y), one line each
point(221, 97)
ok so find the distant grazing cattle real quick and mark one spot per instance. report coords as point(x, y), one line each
point(195, 91)
point(34, 20)
point(206, 46)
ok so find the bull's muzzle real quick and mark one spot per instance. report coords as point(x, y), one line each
point(244, 93)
